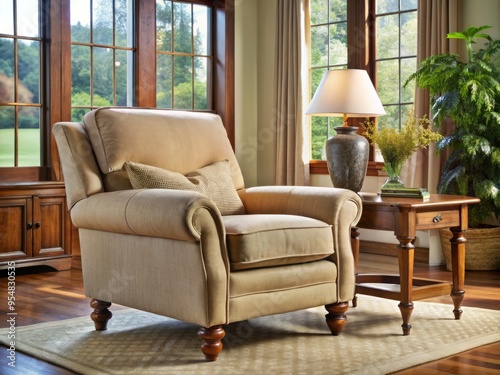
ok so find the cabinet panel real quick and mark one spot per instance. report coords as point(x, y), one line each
point(49, 226)
point(15, 237)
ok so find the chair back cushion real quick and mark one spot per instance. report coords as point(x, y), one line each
point(178, 141)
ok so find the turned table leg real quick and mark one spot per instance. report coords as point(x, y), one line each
point(406, 253)
point(458, 270)
point(101, 315)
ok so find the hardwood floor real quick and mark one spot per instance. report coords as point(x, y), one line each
point(43, 296)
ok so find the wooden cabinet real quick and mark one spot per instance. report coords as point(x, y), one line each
point(35, 228)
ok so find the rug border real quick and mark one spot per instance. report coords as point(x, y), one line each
point(410, 361)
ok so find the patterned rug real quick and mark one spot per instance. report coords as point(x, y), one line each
point(294, 343)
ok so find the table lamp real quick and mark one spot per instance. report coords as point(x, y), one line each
point(346, 93)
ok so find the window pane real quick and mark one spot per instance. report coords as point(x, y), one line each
point(319, 11)
point(164, 81)
point(406, 111)
point(163, 26)
point(201, 79)
point(338, 44)
point(7, 140)
point(183, 89)
point(409, 4)
point(29, 72)
point(409, 34)
point(182, 28)
point(387, 36)
point(78, 113)
point(201, 30)
point(391, 119)
point(338, 10)
point(80, 76)
point(124, 23)
point(317, 74)
point(102, 26)
point(6, 70)
point(319, 45)
point(387, 6)
point(408, 66)
point(102, 77)
point(388, 81)
point(27, 18)
point(7, 17)
point(29, 137)
point(124, 94)
point(319, 135)
point(80, 21)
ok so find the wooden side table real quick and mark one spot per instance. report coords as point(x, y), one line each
point(405, 216)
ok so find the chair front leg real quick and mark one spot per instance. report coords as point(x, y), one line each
point(336, 318)
point(101, 314)
point(211, 344)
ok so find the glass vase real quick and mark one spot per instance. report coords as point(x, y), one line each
point(393, 168)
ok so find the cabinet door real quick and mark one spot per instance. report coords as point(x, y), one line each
point(49, 224)
point(15, 229)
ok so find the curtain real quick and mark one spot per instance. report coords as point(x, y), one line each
point(292, 93)
point(436, 18)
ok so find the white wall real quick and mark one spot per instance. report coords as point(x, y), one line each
point(255, 140)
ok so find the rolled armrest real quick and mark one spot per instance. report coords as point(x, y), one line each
point(339, 207)
point(322, 203)
point(146, 212)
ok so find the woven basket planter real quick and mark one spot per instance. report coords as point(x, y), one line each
point(482, 249)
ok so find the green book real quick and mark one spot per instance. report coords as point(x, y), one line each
point(406, 193)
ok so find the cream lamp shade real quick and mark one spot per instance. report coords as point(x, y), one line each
point(346, 93)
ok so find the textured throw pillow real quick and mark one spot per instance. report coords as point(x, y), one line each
point(214, 181)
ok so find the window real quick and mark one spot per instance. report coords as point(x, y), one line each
point(328, 51)
point(396, 59)
point(103, 52)
point(183, 55)
point(21, 96)
point(379, 36)
point(102, 55)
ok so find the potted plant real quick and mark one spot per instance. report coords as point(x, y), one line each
point(468, 92)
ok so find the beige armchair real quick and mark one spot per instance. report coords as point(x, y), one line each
point(166, 225)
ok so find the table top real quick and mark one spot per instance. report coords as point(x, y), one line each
point(375, 199)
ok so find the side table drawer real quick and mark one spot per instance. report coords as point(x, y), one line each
point(437, 219)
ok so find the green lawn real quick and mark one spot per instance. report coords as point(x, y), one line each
point(29, 147)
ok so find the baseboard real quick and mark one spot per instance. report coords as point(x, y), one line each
point(389, 249)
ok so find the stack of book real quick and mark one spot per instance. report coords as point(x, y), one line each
point(405, 193)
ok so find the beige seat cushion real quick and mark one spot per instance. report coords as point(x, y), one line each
point(214, 181)
point(269, 240)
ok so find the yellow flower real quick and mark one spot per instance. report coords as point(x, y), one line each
point(399, 145)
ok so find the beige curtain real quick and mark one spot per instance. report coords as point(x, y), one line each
point(292, 93)
point(436, 18)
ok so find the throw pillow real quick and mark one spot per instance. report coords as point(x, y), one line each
point(213, 180)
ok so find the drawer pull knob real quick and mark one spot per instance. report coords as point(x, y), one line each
point(437, 219)
point(29, 226)
point(37, 224)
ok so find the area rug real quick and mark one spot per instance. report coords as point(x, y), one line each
point(294, 343)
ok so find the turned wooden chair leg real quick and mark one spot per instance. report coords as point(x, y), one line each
point(101, 314)
point(211, 344)
point(336, 318)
